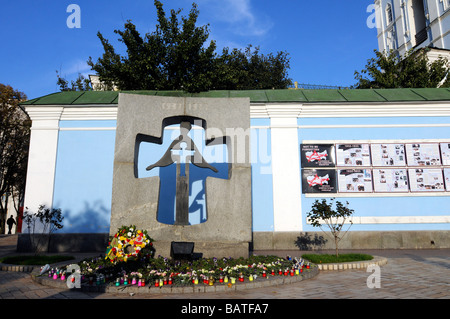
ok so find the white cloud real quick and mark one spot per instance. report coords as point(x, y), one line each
point(239, 15)
point(75, 67)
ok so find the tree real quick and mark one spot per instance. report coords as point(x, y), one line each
point(14, 141)
point(323, 213)
point(248, 69)
point(80, 84)
point(177, 57)
point(414, 70)
point(48, 221)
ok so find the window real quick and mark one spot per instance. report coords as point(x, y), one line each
point(389, 16)
point(445, 4)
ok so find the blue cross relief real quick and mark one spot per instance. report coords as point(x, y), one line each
point(183, 170)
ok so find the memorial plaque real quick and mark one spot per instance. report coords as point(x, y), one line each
point(318, 181)
point(317, 155)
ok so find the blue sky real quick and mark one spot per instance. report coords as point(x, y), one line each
point(326, 40)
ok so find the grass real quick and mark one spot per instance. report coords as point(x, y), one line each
point(331, 258)
point(34, 260)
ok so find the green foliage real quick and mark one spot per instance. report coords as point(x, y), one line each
point(177, 57)
point(80, 84)
point(414, 70)
point(324, 213)
point(14, 143)
point(326, 258)
point(249, 69)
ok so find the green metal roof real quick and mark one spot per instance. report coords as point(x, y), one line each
point(258, 96)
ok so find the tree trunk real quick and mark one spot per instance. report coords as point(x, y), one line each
point(336, 240)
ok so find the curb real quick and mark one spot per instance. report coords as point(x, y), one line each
point(200, 288)
point(379, 261)
point(17, 268)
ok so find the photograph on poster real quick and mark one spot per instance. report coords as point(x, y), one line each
point(388, 154)
point(318, 181)
point(317, 155)
point(390, 180)
point(355, 181)
point(353, 154)
point(423, 154)
point(426, 179)
point(445, 152)
point(447, 179)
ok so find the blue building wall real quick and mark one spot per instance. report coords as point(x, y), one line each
point(83, 177)
point(84, 171)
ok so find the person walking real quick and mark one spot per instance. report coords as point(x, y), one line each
point(10, 223)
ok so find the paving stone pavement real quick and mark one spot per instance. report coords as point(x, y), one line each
point(408, 274)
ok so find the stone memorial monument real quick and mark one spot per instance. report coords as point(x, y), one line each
point(135, 201)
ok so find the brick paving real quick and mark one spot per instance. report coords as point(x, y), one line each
point(408, 274)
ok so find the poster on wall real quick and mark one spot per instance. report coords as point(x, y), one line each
point(317, 155)
point(423, 154)
point(318, 181)
point(445, 152)
point(386, 180)
point(353, 155)
point(447, 178)
point(355, 181)
point(426, 179)
point(388, 154)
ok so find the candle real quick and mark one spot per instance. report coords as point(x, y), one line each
point(161, 283)
point(292, 272)
point(117, 282)
point(233, 280)
point(122, 280)
point(279, 272)
point(297, 272)
point(55, 276)
point(170, 280)
point(273, 272)
point(165, 281)
point(221, 278)
point(142, 282)
point(250, 278)
point(133, 281)
point(264, 274)
point(63, 276)
point(241, 278)
point(157, 283)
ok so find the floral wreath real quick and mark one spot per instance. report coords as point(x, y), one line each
point(128, 243)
